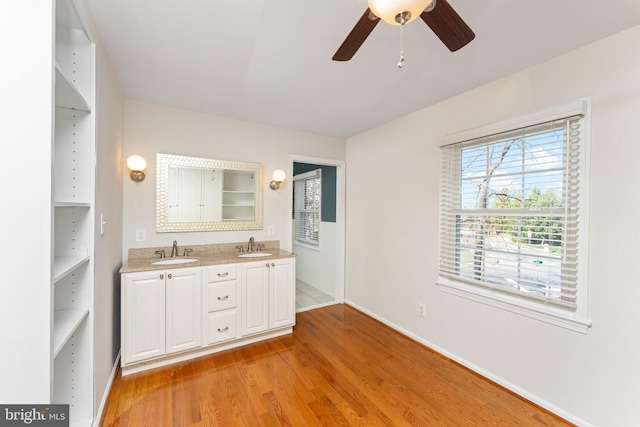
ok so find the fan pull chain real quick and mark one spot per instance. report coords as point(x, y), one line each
point(401, 61)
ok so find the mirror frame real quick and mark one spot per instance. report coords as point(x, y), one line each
point(164, 161)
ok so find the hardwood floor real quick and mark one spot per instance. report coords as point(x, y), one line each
point(339, 368)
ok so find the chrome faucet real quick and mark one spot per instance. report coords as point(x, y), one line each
point(174, 251)
point(250, 246)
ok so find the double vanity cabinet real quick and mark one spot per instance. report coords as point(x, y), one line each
point(176, 312)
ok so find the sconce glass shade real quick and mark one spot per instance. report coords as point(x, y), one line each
point(278, 177)
point(136, 165)
point(387, 10)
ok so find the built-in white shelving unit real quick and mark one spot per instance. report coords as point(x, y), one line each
point(73, 199)
point(238, 196)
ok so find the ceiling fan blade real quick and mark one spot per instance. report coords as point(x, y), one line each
point(448, 26)
point(356, 37)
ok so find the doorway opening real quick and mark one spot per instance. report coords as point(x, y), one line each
point(317, 230)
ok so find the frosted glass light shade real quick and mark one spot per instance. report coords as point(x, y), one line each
point(136, 163)
point(387, 10)
point(279, 175)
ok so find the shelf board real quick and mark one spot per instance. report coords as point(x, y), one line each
point(67, 95)
point(64, 325)
point(72, 204)
point(63, 265)
point(238, 191)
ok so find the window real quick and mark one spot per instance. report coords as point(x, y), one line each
point(306, 201)
point(512, 211)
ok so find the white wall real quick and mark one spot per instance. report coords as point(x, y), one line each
point(26, 88)
point(108, 247)
point(318, 267)
point(590, 378)
point(151, 129)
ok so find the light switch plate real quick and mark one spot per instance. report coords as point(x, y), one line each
point(140, 235)
point(103, 224)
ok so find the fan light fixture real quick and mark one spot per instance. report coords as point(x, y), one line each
point(443, 20)
point(398, 12)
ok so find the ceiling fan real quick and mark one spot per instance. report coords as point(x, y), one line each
point(437, 14)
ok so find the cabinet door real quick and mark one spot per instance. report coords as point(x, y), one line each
point(143, 308)
point(282, 282)
point(184, 315)
point(255, 297)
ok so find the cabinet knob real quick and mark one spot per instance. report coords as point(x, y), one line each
point(225, 329)
point(169, 275)
point(223, 274)
point(273, 264)
point(267, 264)
point(162, 276)
point(224, 298)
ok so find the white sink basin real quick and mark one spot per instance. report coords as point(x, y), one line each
point(175, 261)
point(254, 254)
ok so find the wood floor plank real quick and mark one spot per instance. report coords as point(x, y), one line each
point(338, 368)
point(395, 360)
point(110, 411)
point(327, 413)
point(367, 389)
point(289, 392)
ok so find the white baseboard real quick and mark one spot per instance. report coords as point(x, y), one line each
point(107, 392)
point(512, 387)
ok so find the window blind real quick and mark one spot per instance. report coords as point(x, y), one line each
point(509, 214)
point(307, 200)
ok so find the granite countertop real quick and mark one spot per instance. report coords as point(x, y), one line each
point(141, 259)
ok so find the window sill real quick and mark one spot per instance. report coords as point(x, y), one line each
point(307, 245)
point(532, 309)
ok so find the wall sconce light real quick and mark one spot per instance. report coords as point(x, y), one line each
point(136, 165)
point(278, 177)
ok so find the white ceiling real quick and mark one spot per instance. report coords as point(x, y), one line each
point(269, 61)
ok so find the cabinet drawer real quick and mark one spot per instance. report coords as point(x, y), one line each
point(220, 296)
point(219, 273)
point(221, 326)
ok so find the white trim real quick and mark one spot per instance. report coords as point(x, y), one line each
point(107, 392)
point(514, 304)
point(340, 216)
point(582, 302)
point(579, 107)
point(482, 372)
point(579, 319)
point(307, 245)
point(313, 307)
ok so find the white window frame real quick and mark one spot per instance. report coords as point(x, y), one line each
point(575, 320)
point(314, 174)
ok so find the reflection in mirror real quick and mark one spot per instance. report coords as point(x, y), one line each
point(200, 194)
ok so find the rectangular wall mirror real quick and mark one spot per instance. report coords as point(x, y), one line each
point(200, 194)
